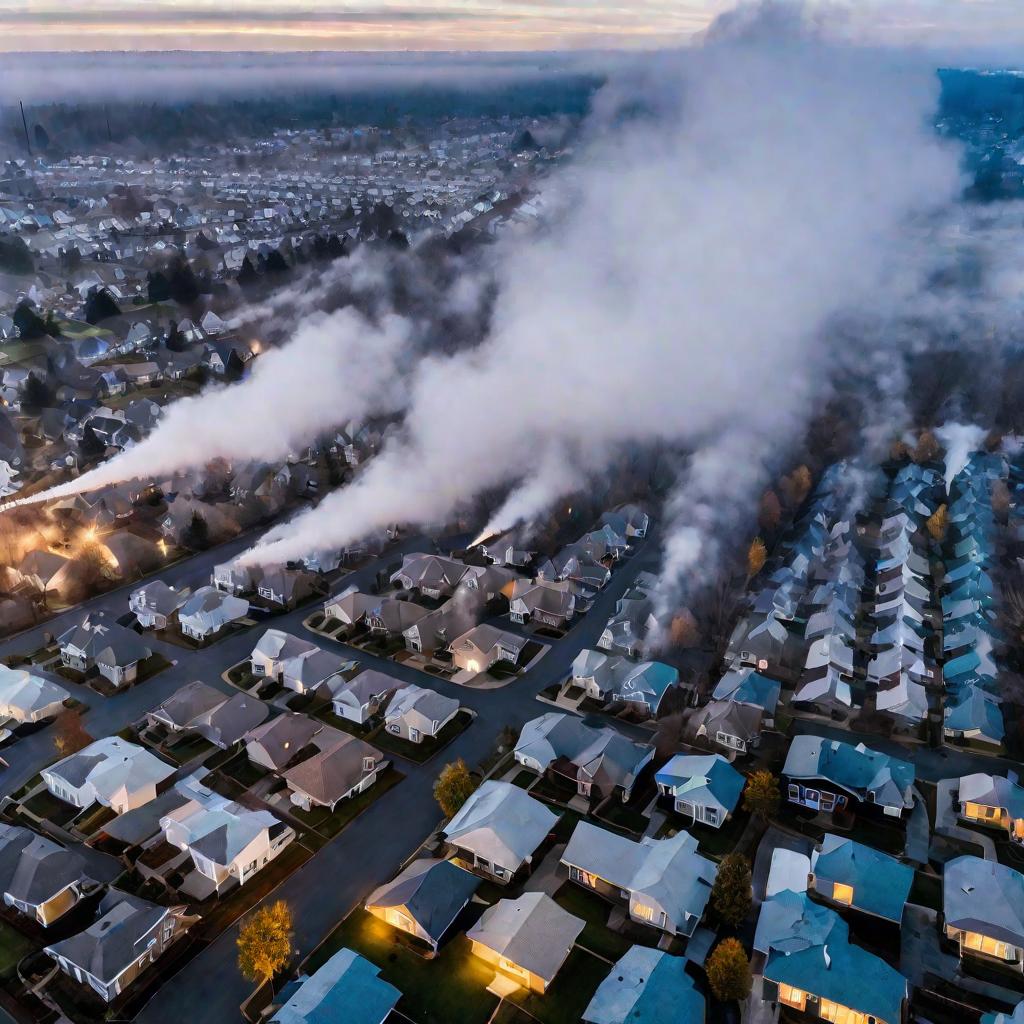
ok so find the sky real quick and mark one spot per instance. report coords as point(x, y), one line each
point(506, 25)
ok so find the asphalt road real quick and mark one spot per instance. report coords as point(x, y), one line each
point(372, 848)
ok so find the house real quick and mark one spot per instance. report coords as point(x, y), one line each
point(665, 882)
point(361, 698)
point(236, 579)
point(38, 877)
point(341, 767)
point(231, 720)
point(499, 828)
point(424, 899)
point(480, 647)
point(436, 630)
point(835, 981)
point(828, 775)
point(549, 604)
point(391, 616)
point(983, 910)
point(128, 936)
point(209, 612)
point(996, 801)
point(182, 708)
point(274, 650)
point(276, 742)
point(350, 609)
point(503, 549)
point(598, 762)
point(155, 603)
point(642, 686)
point(286, 588)
point(416, 713)
point(646, 986)
point(309, 671)
point(528, 939)
point(102, 644)
point(26, 698)
point(853, 875)
point(346, 988)
point(48, 573)
point(730, 724)
point(433, 576)
point(228, 843)
point(110, 771)
point(972, 714)
point(750, 687)
point(627, 521)
point(703, 786)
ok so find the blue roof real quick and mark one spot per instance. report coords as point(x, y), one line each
point(647, 986)
point(755, 689)
point(346, 988)
point(881, 884)
point(691, 773)
point(971, 708)
point(845, 974)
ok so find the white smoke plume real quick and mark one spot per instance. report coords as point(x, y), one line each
point(959, 440)
point(336, 367)
point(682, 295)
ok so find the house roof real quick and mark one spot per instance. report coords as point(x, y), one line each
point(669, 871)
point(984, 896)
point(367, 684)
point(843, 973)
point(158, 597)
point(113, 941)
point(431, 892)
point(433, 706)
point(187, 703)
point(750, 687)
point(231, 720)
point(484, 638)
point(335, 769)
point(646, 986)
point(993, 791)
point(280, 646)
point(33, 868)
point(28, 692)
point(111, 764)
point(217, 828)
point(533, 931)
point(346, 988)
point(284, 736)
point(105, 641)
point(791, 921)
point(706, 779)
point(501, 823)
point(881, 884)
point(732, 718)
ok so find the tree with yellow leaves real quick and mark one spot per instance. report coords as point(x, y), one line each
point(938, 523)
point(757, 555)
point(797, 486)
point(927, 449)
point(454, 786)
point(684, 632)
point(762, 795)
point(265, 942)
point(728, 971)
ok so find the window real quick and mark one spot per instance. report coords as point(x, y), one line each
point(842, 893)
point(644, 912)
point(584, 877)
point(792, 997)
point(990, 947)
point(368, 763)
point(794, 792)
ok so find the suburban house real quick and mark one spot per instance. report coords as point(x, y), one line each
point(231, 720)
point(705, 787)
point(390, 616)
point(311, 670)
point(155, 603)
point(610, 677)
point(828, 775)
point(549, 604)
point(351, 608)
point(110, 648)
point(236, 579)
point(983, 909)
point(528, 939)
point(499, 828)
point(750, 687)
point(110, 771)
point(416, 713)
point(996, 801)
point(210, 611)
point(286, 588)
point(185, 705)
point(852, 875)
point(424, 899)
point(834, 980)
point(274, 650)
point(38, 877)
point(503, 549)
point(435, 631)
point(228, 842)
point(665, 882)
point(433, 576)
point(341, 767)
point(480, 647)
point(627, 521)
point(361, 698)
point(598, 762)
point(276, 743)
point(26, 698)
point(128, 936)
point(346, 988)
point(646, 985)
point(730, 724)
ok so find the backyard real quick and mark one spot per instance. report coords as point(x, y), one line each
point(420, 752)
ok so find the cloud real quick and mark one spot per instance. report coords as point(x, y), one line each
point(683, 293)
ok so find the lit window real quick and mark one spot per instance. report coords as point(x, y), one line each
point(643, 911)
point(842, 893)
point(792, 997)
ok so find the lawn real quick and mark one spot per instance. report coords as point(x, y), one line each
point(570, 992)
point(623, 816)
point(13, 947)
point(328, 824)
point(188, 748)
point(451, 989)
point(93, 820)
point(597, 936)
point(242, 770)
point(421, 752)
point(45, 805)
point(328, 717)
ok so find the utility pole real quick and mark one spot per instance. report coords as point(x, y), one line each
point(24, 124)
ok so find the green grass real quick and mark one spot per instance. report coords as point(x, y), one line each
point(95, 819)
point(568, 995)
point(188, 748)
point(328, 717)
point(421, 752)
point(243, 771)
point(46, 805)
point(624, 816)
point(13, 948)
point(451, 989)
point(596, 936)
